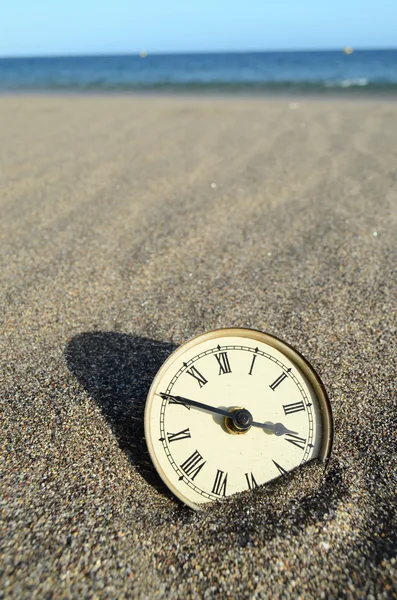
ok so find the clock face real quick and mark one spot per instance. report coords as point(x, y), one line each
point(231, 410)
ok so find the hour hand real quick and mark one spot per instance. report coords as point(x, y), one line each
point(276, 428)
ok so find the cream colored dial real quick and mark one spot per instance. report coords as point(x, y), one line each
point(231, 410)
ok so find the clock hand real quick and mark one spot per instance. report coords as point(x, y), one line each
point(182, 400)
point(277, 428)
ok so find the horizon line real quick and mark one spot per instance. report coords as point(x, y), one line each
point(191, 52)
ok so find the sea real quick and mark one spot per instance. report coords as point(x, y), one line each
point(322, 72)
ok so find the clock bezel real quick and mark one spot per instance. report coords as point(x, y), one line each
point(289, 351)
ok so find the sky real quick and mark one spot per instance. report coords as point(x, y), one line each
point(48, 27)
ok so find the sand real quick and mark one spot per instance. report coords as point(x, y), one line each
point(129, 225)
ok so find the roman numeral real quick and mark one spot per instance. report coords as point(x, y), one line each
point(293, 408)
point(223, 361)
point(181, 435)
point(280, 468)
point(296, 440)
point(197, 375)
point(220, 483)
point(278, 381)
point(193, 465)
point(251, 481)
point(175, 401)
point(252, 364)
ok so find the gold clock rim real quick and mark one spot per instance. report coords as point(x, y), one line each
point(294, 355)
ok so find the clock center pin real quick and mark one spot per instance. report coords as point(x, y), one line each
point(239, 422)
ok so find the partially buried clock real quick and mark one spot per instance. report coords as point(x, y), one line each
point(232, 409)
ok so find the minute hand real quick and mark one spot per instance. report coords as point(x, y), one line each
point(182, 400)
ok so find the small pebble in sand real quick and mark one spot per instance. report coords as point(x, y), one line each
point(213, 185)
point(325, 546)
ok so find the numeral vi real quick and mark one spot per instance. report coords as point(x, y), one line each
point(220, 483)
point(251, 481)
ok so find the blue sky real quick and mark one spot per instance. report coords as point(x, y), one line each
point(48, 27)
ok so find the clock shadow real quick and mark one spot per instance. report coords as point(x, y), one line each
point(117, 370)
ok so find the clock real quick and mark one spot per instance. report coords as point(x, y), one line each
point(233, 409)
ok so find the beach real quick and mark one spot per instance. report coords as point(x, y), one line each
point(128, 225)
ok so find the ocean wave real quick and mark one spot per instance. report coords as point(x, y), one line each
point(365, 72)
point(346, 83)
point(289, 87)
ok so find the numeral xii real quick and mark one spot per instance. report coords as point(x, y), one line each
point(223, 362)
